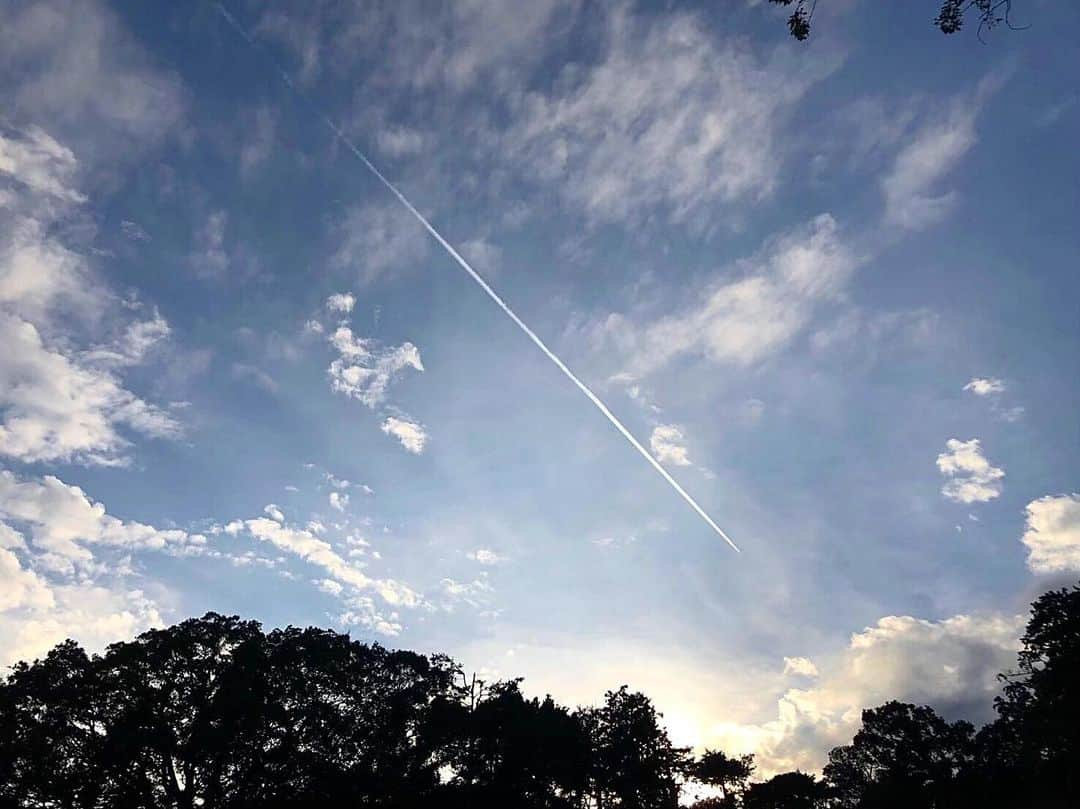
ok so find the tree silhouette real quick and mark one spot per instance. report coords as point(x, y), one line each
point(950, 18)
point(789, 790)
point(214, 712)
point(904, 756)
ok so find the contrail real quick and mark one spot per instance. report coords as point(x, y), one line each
point(491, 293)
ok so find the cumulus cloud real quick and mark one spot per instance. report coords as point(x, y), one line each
point(972, 479)
point(668, 444)
point(365, 367)
point(339, 501)
point(1053, 534)
point(743, 321)
point(800, 666)
point(273, 512)
point(63, 521)
point(950, 664)
point(342, 302)
point(985, 386)
point(671, 118)
point(411, 435)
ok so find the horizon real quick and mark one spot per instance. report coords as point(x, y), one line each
point(828, 289)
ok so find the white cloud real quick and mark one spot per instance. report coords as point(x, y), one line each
point(985, 386)
point(339, 501)
point(93, 615)
point(411, 435)
point(800, 666)
point(1053, 534)
point(63, 521)
point(273, 512)
point(40, 163)
point(373, 239)
point(22, 588)
point(668, 445)
point(361, 611)
point(366, 368)
point(950, 664)
point(260, 130)
point(744, 321)
point(399, 141)
point(913, 197)
point(78, 71)
point(321, 553)
point(672, 118)
point(342, 302)
point(485, 556)
point(972, 479)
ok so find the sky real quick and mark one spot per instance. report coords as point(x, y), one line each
point(831, 286)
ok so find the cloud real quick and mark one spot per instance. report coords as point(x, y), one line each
point(1053, 534)
point(668, 445)
point(972, 478)
point(209, 258)
point(399, 141)
point(75, 69)
point(339, 501)
point(985, 387)
point(63, 521)
point(319, 552)
point(260, 130)
point(366, 368)
point(800, 666)
point(342, 302)
point(92, 614)
point(244, 372)
point(744, 321)
point(55, 409)
point(374, 239)
point(485, 556)
point(484, 256)
point(273, 512)
point(41, 164)
point(913, 197)
point(411, 435)
point(950, 664)
point(671, 119)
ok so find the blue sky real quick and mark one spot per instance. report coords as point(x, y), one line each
point(832, 286)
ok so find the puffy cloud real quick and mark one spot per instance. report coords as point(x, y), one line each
point(63, 521)
point(273, 512)
point(985, 387)
point(93, 615)
point(342, 302)
point(668, 445)
point(485, 556)
point(411, 435)
point(339, 501)
point(1053, 534)
point(972, 479)
point(366, 368)
point(22, 588)
point(950, 664)
point(744, 321)
point(801, 666)
point(361, 611)
point(671, 118)
point(57, 402)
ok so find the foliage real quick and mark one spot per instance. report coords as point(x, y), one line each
point(214, 712)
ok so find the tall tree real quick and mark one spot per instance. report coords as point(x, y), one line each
point(903, 757)
point(633, 764)
point(789, 790)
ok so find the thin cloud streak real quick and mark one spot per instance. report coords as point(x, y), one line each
point(352, 147)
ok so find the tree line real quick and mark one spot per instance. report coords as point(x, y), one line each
point(214, 712)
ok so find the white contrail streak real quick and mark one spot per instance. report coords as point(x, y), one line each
point(491, 293)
